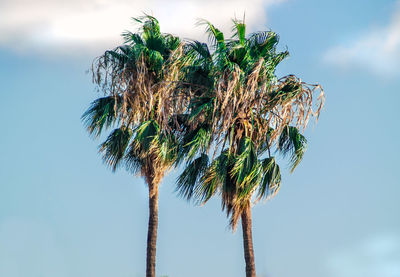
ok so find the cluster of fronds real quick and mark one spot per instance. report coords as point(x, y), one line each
point(171, 101)
point(140, 83)
point(241, 110)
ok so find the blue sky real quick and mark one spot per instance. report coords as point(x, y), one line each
point(63, 213)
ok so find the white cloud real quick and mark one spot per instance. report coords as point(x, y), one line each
point(378, 49)
point(376, 257)
point(59, 25)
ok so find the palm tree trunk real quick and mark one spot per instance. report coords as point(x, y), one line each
point(248, 242)
point(152, 229)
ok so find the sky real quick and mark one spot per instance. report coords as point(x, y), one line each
point(64, 214)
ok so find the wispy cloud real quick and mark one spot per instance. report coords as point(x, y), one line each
point(377, 49)
point(376, 257)
point(94, 24)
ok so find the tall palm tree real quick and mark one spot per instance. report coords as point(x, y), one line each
point(245, 114)
point(139, 82)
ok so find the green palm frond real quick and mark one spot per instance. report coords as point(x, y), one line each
point(199, 51)
point(198, 141)
point(215, 36)
point(166, 148)
point(251, 181)
point(216, 177)
point(293, 143)
point(244, 161)
point(239, 55)
point(199, 106)
point(264, 144)
point(120, 58)
point(133, 39)
point(133, 160)
point(113, 149)
point(154, 39)
point(145, 134)
point(102, 113)
point(279, 57)
point(263, 43)
point(155, 60)
point(149, 25)
point(189, 178)
point(171, 42)
point(239, 29)
point(271, 179)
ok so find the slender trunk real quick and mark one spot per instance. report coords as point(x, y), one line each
point(248, 242)
point(152, 230)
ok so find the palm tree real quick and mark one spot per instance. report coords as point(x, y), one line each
point(241, 110)
point(139, 82)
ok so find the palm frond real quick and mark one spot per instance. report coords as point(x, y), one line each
point(244, 161)
point(149, 25)
point(145, 134)
point(132, 38)
point(293, 143)
point(200, 105)
point(271, 179)
point(171, 42)
point(198, 141)
point(239, 29)
point(133, 160)
point(216, 37)
point(198, 50)
point(166, 148)
point(215, 178)
point(102, 113)
point(113, 149)
point(189, 179)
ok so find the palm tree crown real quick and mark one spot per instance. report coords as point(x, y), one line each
point(139, 80)
point(240, 109)
point(245, 114)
